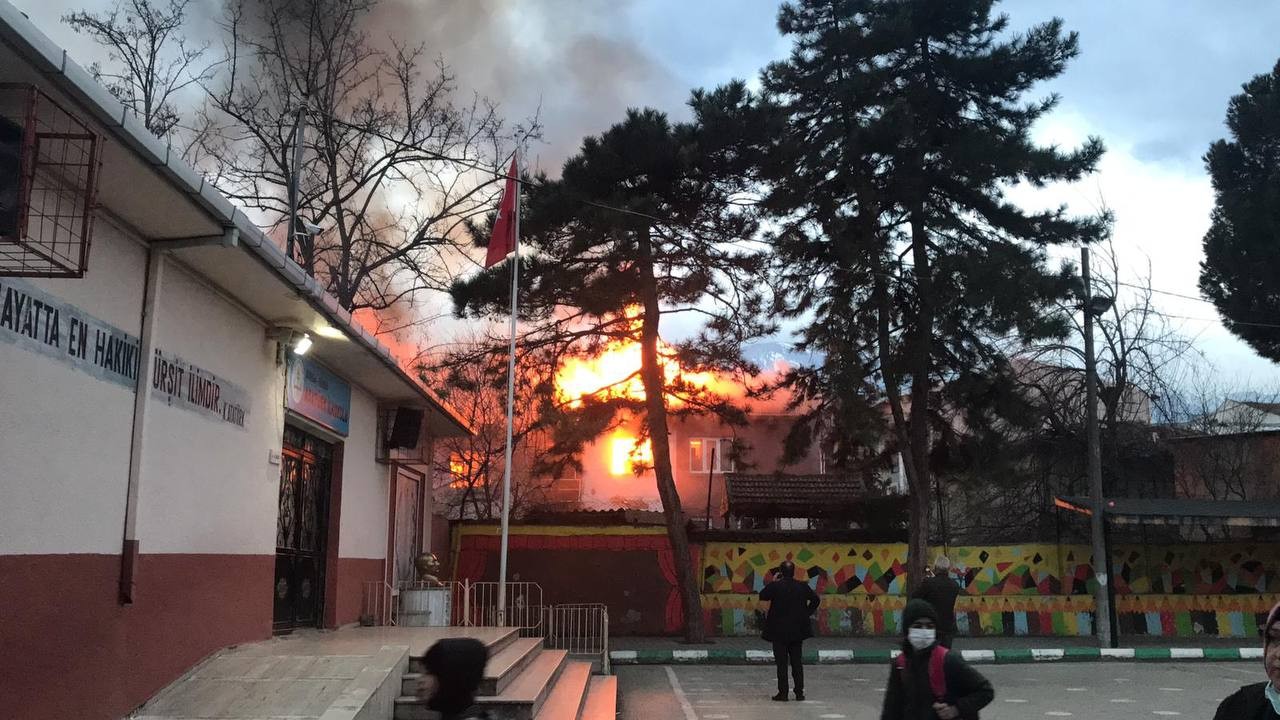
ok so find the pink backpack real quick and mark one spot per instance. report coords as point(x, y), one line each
point(937, 675)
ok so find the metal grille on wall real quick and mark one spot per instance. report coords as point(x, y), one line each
point(48, 184)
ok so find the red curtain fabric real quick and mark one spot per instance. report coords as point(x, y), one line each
point(674, 614)
point(471, 564)
point(475, 550)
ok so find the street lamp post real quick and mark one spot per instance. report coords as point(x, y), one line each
point(1097, 520)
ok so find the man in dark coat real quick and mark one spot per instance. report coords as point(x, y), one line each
point(940, 591)
point(791, 605)
point(914, 693)
point(1260, 701)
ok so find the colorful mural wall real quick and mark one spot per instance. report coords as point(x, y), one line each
point(1186, 590)
point(1212, 589)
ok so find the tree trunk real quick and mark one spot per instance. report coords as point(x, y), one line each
point(921, 438)
point(655, 399)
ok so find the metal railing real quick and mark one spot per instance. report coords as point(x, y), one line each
point(378, 606)
point(475, 604)
point(581, 629)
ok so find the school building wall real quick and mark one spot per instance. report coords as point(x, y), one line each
point(207, 504)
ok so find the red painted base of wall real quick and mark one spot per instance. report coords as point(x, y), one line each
point(69, 650)
point(348, 598)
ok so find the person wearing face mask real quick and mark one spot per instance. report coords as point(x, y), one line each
point(1260, 701)
point(928, 682)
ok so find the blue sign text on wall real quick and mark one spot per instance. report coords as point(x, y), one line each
point(317, 394)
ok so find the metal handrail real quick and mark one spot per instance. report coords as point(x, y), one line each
point(475, 604)
point(580, 628)
point(378, 603)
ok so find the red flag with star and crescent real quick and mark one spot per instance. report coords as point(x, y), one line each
point(503, 241)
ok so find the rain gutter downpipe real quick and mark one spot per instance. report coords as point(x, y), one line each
point(146, 370)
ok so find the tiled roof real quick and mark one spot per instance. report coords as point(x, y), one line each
point(780, 495)
point(1266, 407)
point(615, 516)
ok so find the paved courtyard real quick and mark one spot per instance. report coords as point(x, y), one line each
point(1096, 691)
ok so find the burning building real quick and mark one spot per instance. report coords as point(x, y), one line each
point(616, 468)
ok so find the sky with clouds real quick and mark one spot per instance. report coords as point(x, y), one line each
point(1153, 80)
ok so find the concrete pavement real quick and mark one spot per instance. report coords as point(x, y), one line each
point(1111, 691)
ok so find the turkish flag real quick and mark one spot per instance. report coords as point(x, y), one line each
point(503, 241)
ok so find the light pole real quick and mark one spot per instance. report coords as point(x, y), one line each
point(299, 129)
point(1097, 519)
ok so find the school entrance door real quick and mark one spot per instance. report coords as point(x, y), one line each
point(302, 530)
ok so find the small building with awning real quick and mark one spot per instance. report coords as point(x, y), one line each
point(782, 501)
point(1179, 511)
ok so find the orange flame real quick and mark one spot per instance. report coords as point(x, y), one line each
point(626, 454)
point(615, 373)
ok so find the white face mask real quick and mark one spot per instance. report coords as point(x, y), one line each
point(921, 638)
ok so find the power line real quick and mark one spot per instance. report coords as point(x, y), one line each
point(1164, 292)
point(1197, 299)
point(1224, 322)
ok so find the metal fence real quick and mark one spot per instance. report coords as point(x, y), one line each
point(379, 604)
point(475, 604)
point(581, 629)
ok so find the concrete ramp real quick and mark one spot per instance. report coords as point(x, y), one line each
point(352, 674)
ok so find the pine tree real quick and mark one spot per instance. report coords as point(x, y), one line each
point(1240, 272)
point(644, 224)
point(902, 126)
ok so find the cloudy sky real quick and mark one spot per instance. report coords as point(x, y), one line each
point(1153, 81)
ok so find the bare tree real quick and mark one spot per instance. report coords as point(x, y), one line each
point(394, 165)
point(1226, 445)
point(469, 469)
point(1037, 451)
point(1142, 357)
point(151, 60)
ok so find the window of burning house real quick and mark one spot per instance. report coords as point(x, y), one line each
point(48, 182)
point(700, 451)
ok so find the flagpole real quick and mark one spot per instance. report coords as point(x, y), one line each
point(511, 402)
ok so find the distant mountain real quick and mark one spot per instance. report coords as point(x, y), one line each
point(768, 353)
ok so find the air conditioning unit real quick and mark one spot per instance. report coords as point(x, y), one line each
point(400, 435)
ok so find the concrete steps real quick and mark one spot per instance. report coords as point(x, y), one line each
point(568, 695)
point(602, 699)
point(523, 681)
point(503, 667)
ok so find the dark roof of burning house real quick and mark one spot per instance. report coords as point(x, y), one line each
point(782, 495)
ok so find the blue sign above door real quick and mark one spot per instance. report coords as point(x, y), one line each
point(317, 394)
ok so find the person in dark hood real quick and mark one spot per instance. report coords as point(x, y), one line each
point(1260, 701)
point(787, 625)
point(455, 667)
point(928, 682)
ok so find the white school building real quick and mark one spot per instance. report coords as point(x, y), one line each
point(174, 477)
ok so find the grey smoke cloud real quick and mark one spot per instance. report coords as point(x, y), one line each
point(579, 64)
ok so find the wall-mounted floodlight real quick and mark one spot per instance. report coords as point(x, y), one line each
point(302, 344)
